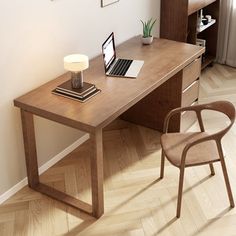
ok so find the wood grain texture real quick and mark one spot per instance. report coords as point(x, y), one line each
point(191, 73)
point(173, 20)
point(32, 167)
point(196, 5)
point(192, 28)
point(30, 148)
point(188, 119)
point(179, 22)
point(97, 173)
point(136, 202)
point(190, 94)
point(218, 83)
point(65, 198)
point(185, 149)
point(118, 95)
point(151, 110)
point(162, 59)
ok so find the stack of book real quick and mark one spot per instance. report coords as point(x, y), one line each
point(81, 94)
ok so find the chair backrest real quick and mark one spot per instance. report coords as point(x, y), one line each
point(224, 107)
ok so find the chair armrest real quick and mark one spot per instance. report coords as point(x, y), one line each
point(176, 111)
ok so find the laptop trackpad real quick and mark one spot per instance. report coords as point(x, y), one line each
point(134, 68)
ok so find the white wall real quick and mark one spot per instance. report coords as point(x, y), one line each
point(34, 38)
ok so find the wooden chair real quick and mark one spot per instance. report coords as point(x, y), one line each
point(196, 148)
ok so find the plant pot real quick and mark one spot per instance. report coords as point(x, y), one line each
point(147, 40)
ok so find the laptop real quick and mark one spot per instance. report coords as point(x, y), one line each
point(116, 66)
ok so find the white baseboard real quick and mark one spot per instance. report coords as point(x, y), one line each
point(13, 190)
point(43, 168)
point(62, 154)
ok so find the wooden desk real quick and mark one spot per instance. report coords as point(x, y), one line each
point(164, 60)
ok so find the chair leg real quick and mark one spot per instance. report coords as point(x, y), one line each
point(226, 177)
point(180, 191)
point(212, 169)
point(162, 164)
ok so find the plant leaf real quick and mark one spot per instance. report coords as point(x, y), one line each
point(150, 29)
point(147, 27)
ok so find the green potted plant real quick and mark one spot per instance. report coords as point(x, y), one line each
point(147, 31)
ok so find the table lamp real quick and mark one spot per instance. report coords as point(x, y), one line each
point(76, 63)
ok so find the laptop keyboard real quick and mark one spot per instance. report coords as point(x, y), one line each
point(121, 67)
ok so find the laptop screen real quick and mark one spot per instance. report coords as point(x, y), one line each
point(108, 50)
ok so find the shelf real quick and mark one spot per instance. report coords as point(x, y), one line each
point(196, 5)
point(203, 27)
point(179, 21)
point(207, 60)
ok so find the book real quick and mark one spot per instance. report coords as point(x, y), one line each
point(75, 94)
point(67, 87)
point(77, 97)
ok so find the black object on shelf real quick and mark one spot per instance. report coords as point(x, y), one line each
point(204, 21)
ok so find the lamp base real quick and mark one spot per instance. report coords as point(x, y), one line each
point(77, 79)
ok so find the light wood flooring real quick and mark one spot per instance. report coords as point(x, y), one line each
point(137, 203)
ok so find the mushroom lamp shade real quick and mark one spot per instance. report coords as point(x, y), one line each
point(76, 63)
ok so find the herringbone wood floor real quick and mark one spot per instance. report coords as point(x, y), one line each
point(136, 202)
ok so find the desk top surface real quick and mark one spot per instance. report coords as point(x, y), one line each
point(162, 60)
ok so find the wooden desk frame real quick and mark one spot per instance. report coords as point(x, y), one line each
point(97, 208)
point(96, 114)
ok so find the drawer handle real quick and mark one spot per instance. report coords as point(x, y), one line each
point(194, 103)
point(190, 85)
point(193, 62)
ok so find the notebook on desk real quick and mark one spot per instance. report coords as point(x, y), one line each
point(116, 66)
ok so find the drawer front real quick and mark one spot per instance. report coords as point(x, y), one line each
point(191, 73)
point(190, 94)
point(188, 119)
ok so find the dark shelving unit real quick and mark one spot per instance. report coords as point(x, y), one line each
point(179, 22)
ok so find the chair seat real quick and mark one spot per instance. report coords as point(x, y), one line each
point(202, 153)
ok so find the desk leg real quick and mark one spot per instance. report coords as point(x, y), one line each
point(97, 173)
point(30, 148)
point(97, 207)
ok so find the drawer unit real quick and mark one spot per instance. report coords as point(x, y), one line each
point(190, 94)
point(191, 73)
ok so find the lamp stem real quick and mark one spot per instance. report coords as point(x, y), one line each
point(77, 79)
